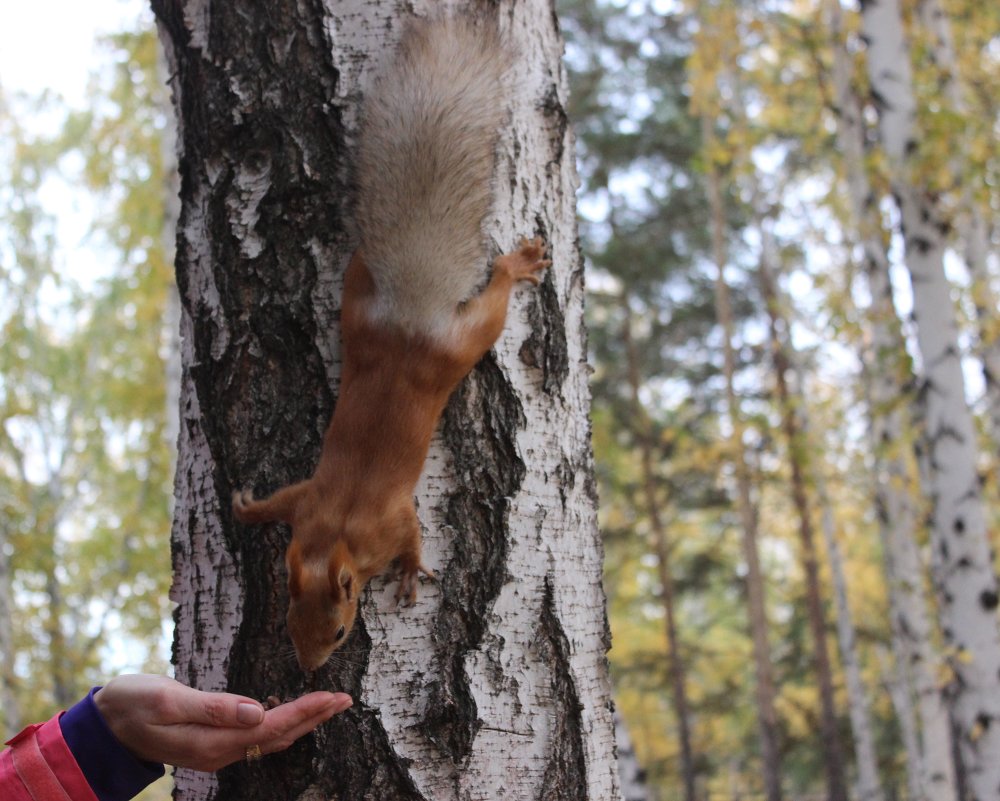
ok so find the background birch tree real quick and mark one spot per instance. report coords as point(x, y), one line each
point(964, 568)
point(496, 680)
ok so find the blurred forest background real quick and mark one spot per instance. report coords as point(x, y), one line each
point(789, 211)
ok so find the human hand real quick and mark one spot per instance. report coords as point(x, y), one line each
point(161, 720)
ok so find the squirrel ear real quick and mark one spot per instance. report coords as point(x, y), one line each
point(341, 579)
point(293, 560)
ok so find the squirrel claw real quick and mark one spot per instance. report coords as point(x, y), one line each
point(523, 263)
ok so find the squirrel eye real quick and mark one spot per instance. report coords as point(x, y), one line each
point(340, 633)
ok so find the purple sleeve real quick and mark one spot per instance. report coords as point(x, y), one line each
point(112, 772)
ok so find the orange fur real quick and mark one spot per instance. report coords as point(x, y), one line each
point(356, 515)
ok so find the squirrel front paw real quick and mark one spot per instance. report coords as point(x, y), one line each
point(525, 262)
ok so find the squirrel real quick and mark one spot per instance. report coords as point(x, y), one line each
point(412, 322)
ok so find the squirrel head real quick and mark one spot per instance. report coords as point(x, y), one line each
point(323, 602)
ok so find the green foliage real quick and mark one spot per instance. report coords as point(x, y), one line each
point(642, 73)
point(85, 464)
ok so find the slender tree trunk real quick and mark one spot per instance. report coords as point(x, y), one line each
point(865, 753)
point(964, 573)
point(497, 678)
point(10, 711)
point(630, 772)
point(859, 709)
point(767, 718)
point(678, 679)
point(971, 227)
point(833, 757)
point(897, 682)
point(888, 376)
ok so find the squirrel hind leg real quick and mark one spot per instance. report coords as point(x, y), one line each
point(409, 580)
point(279, 506)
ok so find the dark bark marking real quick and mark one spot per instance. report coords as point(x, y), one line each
point(546, 346)
point(989, 599)
point(490, 472)
point(565, 777)
point(552, 108)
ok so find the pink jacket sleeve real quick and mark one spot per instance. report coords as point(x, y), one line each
point(39, 766)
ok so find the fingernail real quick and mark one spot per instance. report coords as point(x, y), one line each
point(342, 703)
point(249, 714)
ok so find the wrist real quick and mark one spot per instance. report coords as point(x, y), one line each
point(111, 769)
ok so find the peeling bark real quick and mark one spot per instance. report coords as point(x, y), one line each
point(494, 685)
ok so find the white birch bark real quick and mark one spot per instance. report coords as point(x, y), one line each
point(869, 786)
point(495, 684)
point(971, 227)
point(896, 681)
point(929, 766)
point(963, 569)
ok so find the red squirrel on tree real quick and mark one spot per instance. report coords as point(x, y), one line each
point(412, 324)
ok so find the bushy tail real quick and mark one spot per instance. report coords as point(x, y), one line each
point(425, 166)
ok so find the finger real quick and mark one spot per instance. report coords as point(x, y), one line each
point(284, 740)
point(288, 716)
point(286, 723)
point(282, 726)
point(222, 710)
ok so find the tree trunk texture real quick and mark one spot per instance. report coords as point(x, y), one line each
point(963, 567)
point(495, 684)
point(888, 376)
point(971, 228)
point(833, 755)
point(661, 547)
point(767, 718)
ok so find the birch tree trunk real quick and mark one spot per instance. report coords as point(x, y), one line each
point(830, 747)
point(767, 718)
point(9, 708)
point(887, 376)
point(898, 685)
point(661, 547)
point(495, 684)
point(869, 786)
point(971, 226)
point(630, 772)
point(963, 568)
